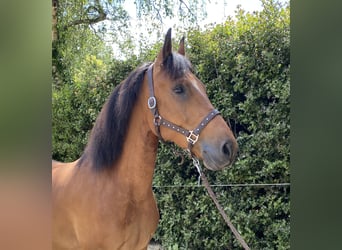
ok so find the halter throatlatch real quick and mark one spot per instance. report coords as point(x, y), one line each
point(191, 135)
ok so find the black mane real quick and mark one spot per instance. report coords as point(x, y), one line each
point(108, 134)
point(176, 66)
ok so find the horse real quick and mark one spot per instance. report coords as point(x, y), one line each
point(104, 199)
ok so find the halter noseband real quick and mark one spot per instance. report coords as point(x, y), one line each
point(191, 135)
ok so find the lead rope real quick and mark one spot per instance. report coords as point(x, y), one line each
point(219, 207)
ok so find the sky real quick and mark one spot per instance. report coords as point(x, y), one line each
point(217, 12)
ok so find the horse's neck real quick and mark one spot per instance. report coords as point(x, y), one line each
point(135, 167)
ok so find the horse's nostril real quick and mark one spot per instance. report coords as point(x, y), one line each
point(226, 149)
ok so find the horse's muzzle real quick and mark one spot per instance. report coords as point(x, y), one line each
point(216, 157)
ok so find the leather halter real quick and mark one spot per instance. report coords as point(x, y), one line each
point(158, 120)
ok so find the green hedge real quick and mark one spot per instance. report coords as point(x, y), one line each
point(76, 104)
point(245, 65)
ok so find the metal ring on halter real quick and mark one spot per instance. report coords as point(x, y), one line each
point(152, 102)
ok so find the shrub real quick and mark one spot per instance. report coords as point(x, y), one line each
point(76, 105)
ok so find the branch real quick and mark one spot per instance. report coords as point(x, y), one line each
point(102, 15)
point(187, 7)
point(95, 32)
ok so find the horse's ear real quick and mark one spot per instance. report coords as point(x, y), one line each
point(167, 48)
point(181, 49)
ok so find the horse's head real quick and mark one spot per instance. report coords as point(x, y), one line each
point(181, 105)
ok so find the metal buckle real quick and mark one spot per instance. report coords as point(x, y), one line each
point(157, 120)
point(151, 102)
point(192, 138)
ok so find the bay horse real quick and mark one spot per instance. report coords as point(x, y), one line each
point(104, 200)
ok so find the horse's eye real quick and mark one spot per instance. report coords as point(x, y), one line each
point(179, 89)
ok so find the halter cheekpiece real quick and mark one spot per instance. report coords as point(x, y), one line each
point(191, 135)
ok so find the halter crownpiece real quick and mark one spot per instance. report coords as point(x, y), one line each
point(191, 135)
